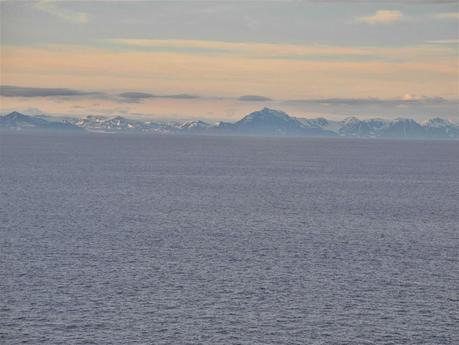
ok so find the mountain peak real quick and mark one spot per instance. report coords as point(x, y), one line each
point(267, 110)
point(119, 118)
point(195, 124)
point(16, 120)
point(351, 119)
point(270, 122)
point(437, 122)
point(15, 115)
point(266, 122)
point(267, 113)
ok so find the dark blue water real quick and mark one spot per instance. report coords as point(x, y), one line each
point(109, 239)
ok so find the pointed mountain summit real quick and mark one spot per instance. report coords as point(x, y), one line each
point(268, 121)
point(16, 116)
point(16, 120)
point(440, 128)
point(264, 122)
point(195, 125)
point(402, 128)
point(354, 127)
point(275, 122)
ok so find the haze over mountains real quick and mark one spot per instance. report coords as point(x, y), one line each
point(265, 122)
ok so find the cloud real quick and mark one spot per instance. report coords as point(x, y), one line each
point(410, 105)
point(382, 17)
point(447, 16)
point(421, 69)
point(272, 51)
point(127, 97)
point(180, 96)
point(52, 7)
point(450, 41)
point(242, 49)
point(407, 99)
point(136, 97)
point(254, 98)
point(18, 91)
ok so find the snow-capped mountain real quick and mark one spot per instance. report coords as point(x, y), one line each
point(379, 128)
point(94, 123)
point(101, 123)
point(266, 121)
point(353, 127)
point(319, 122)
point(441, 128)
point(274, 122)
point(20, 121)
point(402, 128)
point(195, 125)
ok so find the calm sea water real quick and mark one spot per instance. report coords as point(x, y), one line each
point(108, 239)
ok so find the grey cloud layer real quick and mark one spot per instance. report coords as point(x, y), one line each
point(249, 21)
point(372, 101)
point(254, 98)
point(129, 97)
point(18, 91)
point(135, 97)
point(411, 105)
point(180, 96)
point(419, 106)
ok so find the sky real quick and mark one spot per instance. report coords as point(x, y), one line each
point(219, 60)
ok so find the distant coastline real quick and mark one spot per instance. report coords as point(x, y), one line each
point(265, 122)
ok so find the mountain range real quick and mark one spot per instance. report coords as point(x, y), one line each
point(265, 122)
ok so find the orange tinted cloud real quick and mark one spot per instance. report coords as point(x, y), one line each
point(381, 17)
point(422, 70)
point(245, 69)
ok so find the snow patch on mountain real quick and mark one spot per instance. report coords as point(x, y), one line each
point(263, 122)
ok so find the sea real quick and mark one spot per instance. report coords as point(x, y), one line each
point(143, 239)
